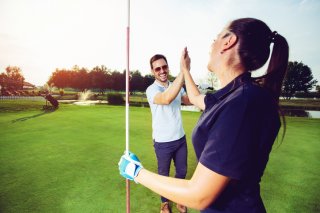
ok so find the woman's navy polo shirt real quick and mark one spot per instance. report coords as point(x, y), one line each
point(234, 137)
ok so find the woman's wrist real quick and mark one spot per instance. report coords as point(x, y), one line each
point(136, 179)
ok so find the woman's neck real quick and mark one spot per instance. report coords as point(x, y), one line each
point(230, 68)
point(226, 76)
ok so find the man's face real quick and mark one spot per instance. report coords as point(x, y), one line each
point(160, 70)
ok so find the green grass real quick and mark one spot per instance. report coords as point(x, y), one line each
point(66, 160)
point(291, 181)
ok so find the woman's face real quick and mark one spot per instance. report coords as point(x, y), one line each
point(216, 49)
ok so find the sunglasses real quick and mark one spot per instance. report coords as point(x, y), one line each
point(164, 68)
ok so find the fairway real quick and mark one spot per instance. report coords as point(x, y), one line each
point(66, 160)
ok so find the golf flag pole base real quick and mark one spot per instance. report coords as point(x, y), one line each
point(128, 195)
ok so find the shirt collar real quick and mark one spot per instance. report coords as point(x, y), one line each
point(160, 85)
point(234, 84)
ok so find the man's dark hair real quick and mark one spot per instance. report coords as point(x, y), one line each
point(157, 57)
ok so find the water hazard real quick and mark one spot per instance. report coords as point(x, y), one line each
point(301, 113)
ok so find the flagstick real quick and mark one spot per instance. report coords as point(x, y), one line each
point(127, 106)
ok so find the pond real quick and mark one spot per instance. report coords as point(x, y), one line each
point(301, 113)
point(314, 114)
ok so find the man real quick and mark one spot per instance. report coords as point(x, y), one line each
point(168, 134)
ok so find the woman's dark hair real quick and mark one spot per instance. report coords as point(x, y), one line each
point(255, 38)
point(157, 57)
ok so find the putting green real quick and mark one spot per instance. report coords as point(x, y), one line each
point(66, 160)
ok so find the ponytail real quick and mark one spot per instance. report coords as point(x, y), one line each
point(277, 67)
point(276, 71)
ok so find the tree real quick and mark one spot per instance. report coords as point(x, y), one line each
point(148, 80)
point(12, 79)
point(212, 80)
point(77, 78)
point(171, 77)
point(3, 78)
point(298, 79)
point(118, 80)
point(136, 81)
point(100, 78)
point(81, 79)
point(60, 78)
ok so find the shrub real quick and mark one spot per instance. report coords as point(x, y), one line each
point(94, 97)
point(307, 95)
point(115, 99)
point(61, 91)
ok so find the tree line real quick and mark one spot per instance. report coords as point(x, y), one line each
point(299, 79)
point(100, 78)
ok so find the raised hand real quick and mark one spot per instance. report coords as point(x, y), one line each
point(185, 60)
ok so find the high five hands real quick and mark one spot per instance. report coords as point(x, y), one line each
point(185, 60)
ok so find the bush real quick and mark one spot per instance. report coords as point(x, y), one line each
point(115, 99)
point(307, 95)
point(61, 92)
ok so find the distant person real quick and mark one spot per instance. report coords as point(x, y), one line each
point(168, 135)
point(236, 131)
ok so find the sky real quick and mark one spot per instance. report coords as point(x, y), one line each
point(41, 35)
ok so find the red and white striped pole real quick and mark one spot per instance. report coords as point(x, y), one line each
point(127, 106)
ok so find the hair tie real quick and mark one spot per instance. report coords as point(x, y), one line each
point(273, 36)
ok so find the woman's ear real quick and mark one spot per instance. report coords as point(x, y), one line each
point(230, 42)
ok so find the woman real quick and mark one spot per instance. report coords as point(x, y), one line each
point(235, 133)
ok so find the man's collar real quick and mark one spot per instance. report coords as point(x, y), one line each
point(158, 83)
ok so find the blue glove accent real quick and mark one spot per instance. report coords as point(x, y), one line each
point(129, 166)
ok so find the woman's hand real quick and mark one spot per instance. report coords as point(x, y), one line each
point(185, 61)
point(129, 166)
point(194, 95)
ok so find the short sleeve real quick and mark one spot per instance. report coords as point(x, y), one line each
point(210, 100)
point(151, 92)
point(229, 147)
point(183, 92)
